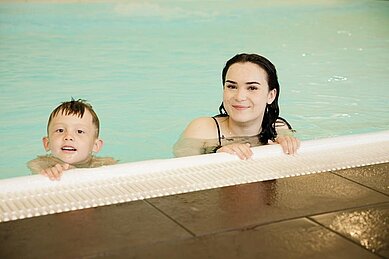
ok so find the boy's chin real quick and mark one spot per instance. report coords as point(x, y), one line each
point(73, 160)
point(78, 162)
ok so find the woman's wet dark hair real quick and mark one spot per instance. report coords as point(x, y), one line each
point(272, 110)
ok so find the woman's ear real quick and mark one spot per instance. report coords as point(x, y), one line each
point(45, 141)
point(271, 96)
point(98, 145)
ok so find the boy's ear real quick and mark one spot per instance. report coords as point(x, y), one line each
point(45, 141)
point(98, 145)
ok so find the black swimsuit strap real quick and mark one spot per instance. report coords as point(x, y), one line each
point(218, 131)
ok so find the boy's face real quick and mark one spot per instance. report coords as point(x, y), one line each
point(72, 139)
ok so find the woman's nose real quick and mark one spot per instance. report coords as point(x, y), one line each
point(241, 94)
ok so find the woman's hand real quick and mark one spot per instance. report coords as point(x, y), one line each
point(289, 144)
point(243, 151)
point(55, 172)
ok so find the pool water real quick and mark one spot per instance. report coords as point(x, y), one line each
point(149, 68)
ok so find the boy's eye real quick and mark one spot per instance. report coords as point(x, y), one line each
point(59, 130)
point(80, 131)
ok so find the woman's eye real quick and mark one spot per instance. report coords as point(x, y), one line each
point(252, 88)
point(231, 86)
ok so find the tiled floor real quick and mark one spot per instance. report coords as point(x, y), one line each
point(342, 214)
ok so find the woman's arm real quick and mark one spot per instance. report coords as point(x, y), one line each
point(289, 144)
point(196, 136)
point(285, 137)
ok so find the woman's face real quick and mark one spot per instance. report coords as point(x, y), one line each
point(246, 92)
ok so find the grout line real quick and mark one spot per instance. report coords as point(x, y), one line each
point(342, 236)
point(253, 226)
point(172, 219)
point(317, 214)
point(361, 184)
point(347, 208)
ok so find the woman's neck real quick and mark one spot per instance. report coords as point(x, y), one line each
point(233, 128)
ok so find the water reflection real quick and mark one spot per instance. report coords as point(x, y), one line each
point(369, 227)
point(245, 201)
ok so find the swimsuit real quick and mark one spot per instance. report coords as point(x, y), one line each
point(218, 132)
point(218, 136)
point(279, 123)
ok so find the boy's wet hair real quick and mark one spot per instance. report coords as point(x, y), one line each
point(75, 107)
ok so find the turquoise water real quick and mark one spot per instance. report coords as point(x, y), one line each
point(149, 68)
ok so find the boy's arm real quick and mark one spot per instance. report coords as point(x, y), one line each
point(38, 164)
point(48, 166)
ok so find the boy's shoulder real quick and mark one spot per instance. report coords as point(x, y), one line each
point(43, 158)
point(102, 161)
point(41, 162)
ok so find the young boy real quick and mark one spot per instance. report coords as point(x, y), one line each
point(72, 138)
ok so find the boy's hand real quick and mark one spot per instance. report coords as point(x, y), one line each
point(243, 151)
point(55, 172)
point(289, 144)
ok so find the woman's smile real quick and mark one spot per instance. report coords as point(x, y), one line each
point(240, 107)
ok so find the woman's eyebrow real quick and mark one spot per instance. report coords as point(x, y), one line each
point(231, 82)
point(253, 83)
point(247, 83)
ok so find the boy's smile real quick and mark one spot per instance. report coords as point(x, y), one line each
point(68, 149)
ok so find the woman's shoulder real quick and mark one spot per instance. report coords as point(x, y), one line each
point(281, 123)
point(202, 121)
point(202, 127)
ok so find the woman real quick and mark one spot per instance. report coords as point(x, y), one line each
point(248, 114)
